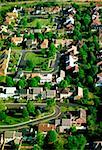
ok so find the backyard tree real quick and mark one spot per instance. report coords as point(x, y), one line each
point(36, 147)
point(40, 139)
point(21, 83)
point(47, 85)
point(38, 25)
point(24, 21)
point(33, 82)
point(30, 107)
point(59, 144)
point(40, 36)
point(29, 64)
point(90, 80)
point(9, 81)
point(31, 36)
point(76, 142)
point(86, 19)
point(51, 136)
point(51, 103)
point(25, 113)
point(63, 84)
point(52, 50)
point(81, 73)
point(2, 106)
point(2, 115)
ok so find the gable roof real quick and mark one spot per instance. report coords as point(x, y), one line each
point(46, 127)
point(44, 44)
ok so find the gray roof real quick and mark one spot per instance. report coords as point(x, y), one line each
point(66, 122)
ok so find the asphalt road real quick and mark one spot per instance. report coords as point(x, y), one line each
point(26, 124)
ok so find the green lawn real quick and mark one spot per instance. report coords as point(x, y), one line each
point(12, 120)
point(42, 22)
point(35, 58)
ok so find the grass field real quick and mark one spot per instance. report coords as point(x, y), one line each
point(42, 22)
point(35, 58)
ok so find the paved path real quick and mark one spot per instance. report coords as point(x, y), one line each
point(26, 124)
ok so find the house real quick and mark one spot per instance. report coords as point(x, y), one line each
point(74, 118)
point(79, 93)
point(50, 93)
point(46, 127)
point(61, 77)
point(53, 10)
point(63, 124)
point(3, 28)
point(35, 91)
point(17, 40)
point(72, 49)
point(7, 92)
point(5, 56)
point(43, 77)
point(65, 93)
point(63, 42)
point(96, 17)
point(10, 136)
point(69, 20)
point(12, 15)
point(81, 120)
point(44, 44)
point(99, 82)
point(31, 43)
point(71, 61)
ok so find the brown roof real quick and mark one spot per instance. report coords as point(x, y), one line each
point(12, 14)
point(16, 39)
point(46, 127)
point(44, 43)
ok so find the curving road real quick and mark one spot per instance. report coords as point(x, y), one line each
point(26, 124)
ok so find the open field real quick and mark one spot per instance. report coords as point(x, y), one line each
point(35, 58)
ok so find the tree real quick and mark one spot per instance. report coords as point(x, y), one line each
point(9, 81)
point(2, 106)
point(33, 82)
point(38, 25)
point(2, 115)
point(31, 36)
point(40, 36)
point(36, 147)
point(29, 64)
point(51, 103)
point(52, 50)
point(81, 73)
point(76, 142)
point(23, 21)
point(30, 107)
point(86, 19)
point(59, 144)
point(51, 136)
point(40, 139)
point(89, 80)
point(63, 84)
point(21, 83)
point(47, 85)
point(25, 113)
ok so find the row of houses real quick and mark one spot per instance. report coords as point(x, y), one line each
point(36, 92)
point(4, 59)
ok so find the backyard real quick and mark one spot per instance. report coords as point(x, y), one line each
point(35, 60)
point(41, 21)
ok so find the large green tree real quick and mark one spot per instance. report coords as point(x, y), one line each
point(30, 107)
point(51, 136)
point(76, 142)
